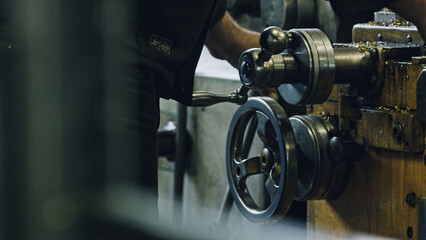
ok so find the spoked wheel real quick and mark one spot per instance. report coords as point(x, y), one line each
point(277, 160)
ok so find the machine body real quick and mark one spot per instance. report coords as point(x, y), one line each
point(360, 149)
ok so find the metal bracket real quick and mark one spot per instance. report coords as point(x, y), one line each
point(397, 32)
point(392, 129)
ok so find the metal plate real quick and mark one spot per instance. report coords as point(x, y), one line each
point(389, 34)
point(392, 129)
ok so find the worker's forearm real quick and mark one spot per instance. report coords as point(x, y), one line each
point(226, 40)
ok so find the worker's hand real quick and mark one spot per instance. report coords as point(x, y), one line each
point(270, 92)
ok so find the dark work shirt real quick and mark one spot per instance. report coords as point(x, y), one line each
point(171, 37)
point(7, 14)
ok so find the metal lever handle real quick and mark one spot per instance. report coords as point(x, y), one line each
point(259, 69)
point(204, 99)
point(273, 40)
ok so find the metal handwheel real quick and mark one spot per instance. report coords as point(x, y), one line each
point(277, 161)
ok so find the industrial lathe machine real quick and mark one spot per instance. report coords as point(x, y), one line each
point(358, 156)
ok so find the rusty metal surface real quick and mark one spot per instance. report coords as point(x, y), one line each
point(374, 201)
point(392, 129)
point(399, 89)
point(348, 113)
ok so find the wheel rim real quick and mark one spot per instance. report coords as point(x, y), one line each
point(277, 160)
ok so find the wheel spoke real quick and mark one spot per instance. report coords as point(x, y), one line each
point(271, 188)
point(246, 168)
point(265, 130)
point(248, 137)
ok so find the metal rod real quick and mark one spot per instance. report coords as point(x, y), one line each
point(225, 208)
point(352, 65)
point(205, 99)
point(179, 162)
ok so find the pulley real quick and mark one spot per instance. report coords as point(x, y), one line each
point(324, 159)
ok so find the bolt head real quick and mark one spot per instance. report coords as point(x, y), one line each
point(411, 199)
point(397, 132)
point(410, 232)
